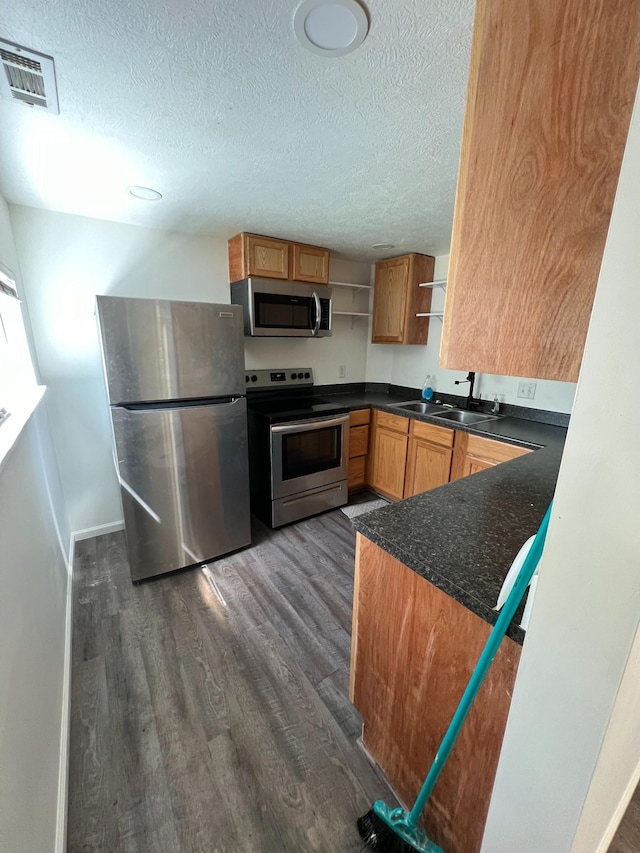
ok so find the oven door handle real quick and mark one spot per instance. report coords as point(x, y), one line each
point(316, 325)
point(308, 425)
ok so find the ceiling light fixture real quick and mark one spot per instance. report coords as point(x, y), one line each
point(145, 193)
point(383, 247)
point(330, 28)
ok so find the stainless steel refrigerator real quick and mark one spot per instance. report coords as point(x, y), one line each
point(175, 382)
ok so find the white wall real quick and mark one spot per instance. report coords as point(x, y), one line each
point(34, 537)
point(66, 261)
point(408, 365)
point(572, 743)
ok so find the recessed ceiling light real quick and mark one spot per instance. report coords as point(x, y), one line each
point(383, 247)
point(330, 28)
point(145, 193)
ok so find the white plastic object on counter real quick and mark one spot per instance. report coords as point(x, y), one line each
point(510, 579)
point(428, 387)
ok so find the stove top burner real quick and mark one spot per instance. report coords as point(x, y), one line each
point(295, 408)
point(287, 395)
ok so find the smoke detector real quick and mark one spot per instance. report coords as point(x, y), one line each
point(28, 77)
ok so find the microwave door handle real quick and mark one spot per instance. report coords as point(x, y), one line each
point(316, 325)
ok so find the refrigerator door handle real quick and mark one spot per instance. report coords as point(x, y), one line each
point(163, 407)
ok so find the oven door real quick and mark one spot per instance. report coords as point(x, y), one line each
point(308, 454)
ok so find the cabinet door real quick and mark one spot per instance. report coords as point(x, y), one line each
point(389, 455)
point(472, 465)
point(428, 466)
point(532, 206)
point(390, 301)
point(473, 453)
point(265, 257)
point(310, 264)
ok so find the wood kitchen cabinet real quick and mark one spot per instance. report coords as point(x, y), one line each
point(413, 648)
point(408, 456)
point(266, 257)
point(397, 298)
point(253, 255)
point(428, 458)
point(309, 264)
point(472, 453)
point(549, 101)
point(387, 460)
point(358, 448)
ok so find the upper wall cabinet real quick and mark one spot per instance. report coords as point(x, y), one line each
point(310, 263)
point(266, 257)
point(551, 89)
point(398, 298)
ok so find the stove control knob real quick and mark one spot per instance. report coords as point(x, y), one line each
point(254, 378)
point(293, 375)
point(246, 378)
point(307, 375)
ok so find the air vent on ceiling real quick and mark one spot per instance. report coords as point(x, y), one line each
point(28, 77)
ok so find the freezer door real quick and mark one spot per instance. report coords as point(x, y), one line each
point(184, 479)
point(158, 349)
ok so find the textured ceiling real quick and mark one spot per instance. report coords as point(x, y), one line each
point(216, 105)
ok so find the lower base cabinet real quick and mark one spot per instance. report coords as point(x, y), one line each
point(413, 651)
point(358, 448)
point(388, 457)
point(472, 453)
point(428, 458)
point(408, 456)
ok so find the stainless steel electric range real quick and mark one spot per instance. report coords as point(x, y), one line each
point(298, 447)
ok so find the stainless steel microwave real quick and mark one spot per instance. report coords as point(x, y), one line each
point(283, 309)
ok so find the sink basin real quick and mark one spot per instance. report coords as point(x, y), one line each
point(420, 407)
point(467, 418)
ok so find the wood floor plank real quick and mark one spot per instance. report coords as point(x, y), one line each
point(209, 707)
point(627, 837)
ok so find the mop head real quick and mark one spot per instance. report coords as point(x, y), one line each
point(387, 830)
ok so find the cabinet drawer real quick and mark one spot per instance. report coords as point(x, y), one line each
point(358, 441)
point(393, 422)
point(359, 417)
point(493, 451)
point(429, 432)
point(357, 468)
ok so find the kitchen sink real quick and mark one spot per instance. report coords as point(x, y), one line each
point(420, 407)
point(468, 418)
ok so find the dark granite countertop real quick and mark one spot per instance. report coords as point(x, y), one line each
point(463, 537)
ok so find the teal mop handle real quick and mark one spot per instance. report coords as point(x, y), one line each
point(484, 662)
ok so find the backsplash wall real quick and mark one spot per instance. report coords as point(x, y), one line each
point(409, 365)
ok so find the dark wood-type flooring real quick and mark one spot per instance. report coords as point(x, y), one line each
point(210, 709)
point(627, 837)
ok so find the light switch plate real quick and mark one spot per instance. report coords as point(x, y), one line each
point(527, 390)
point(342, 371)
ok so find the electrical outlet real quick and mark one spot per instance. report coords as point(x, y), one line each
point(342, 371)
point(527, 390)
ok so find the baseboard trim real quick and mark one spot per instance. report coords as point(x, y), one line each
point(618, 814)
point(65, 722)
point(97, 530)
